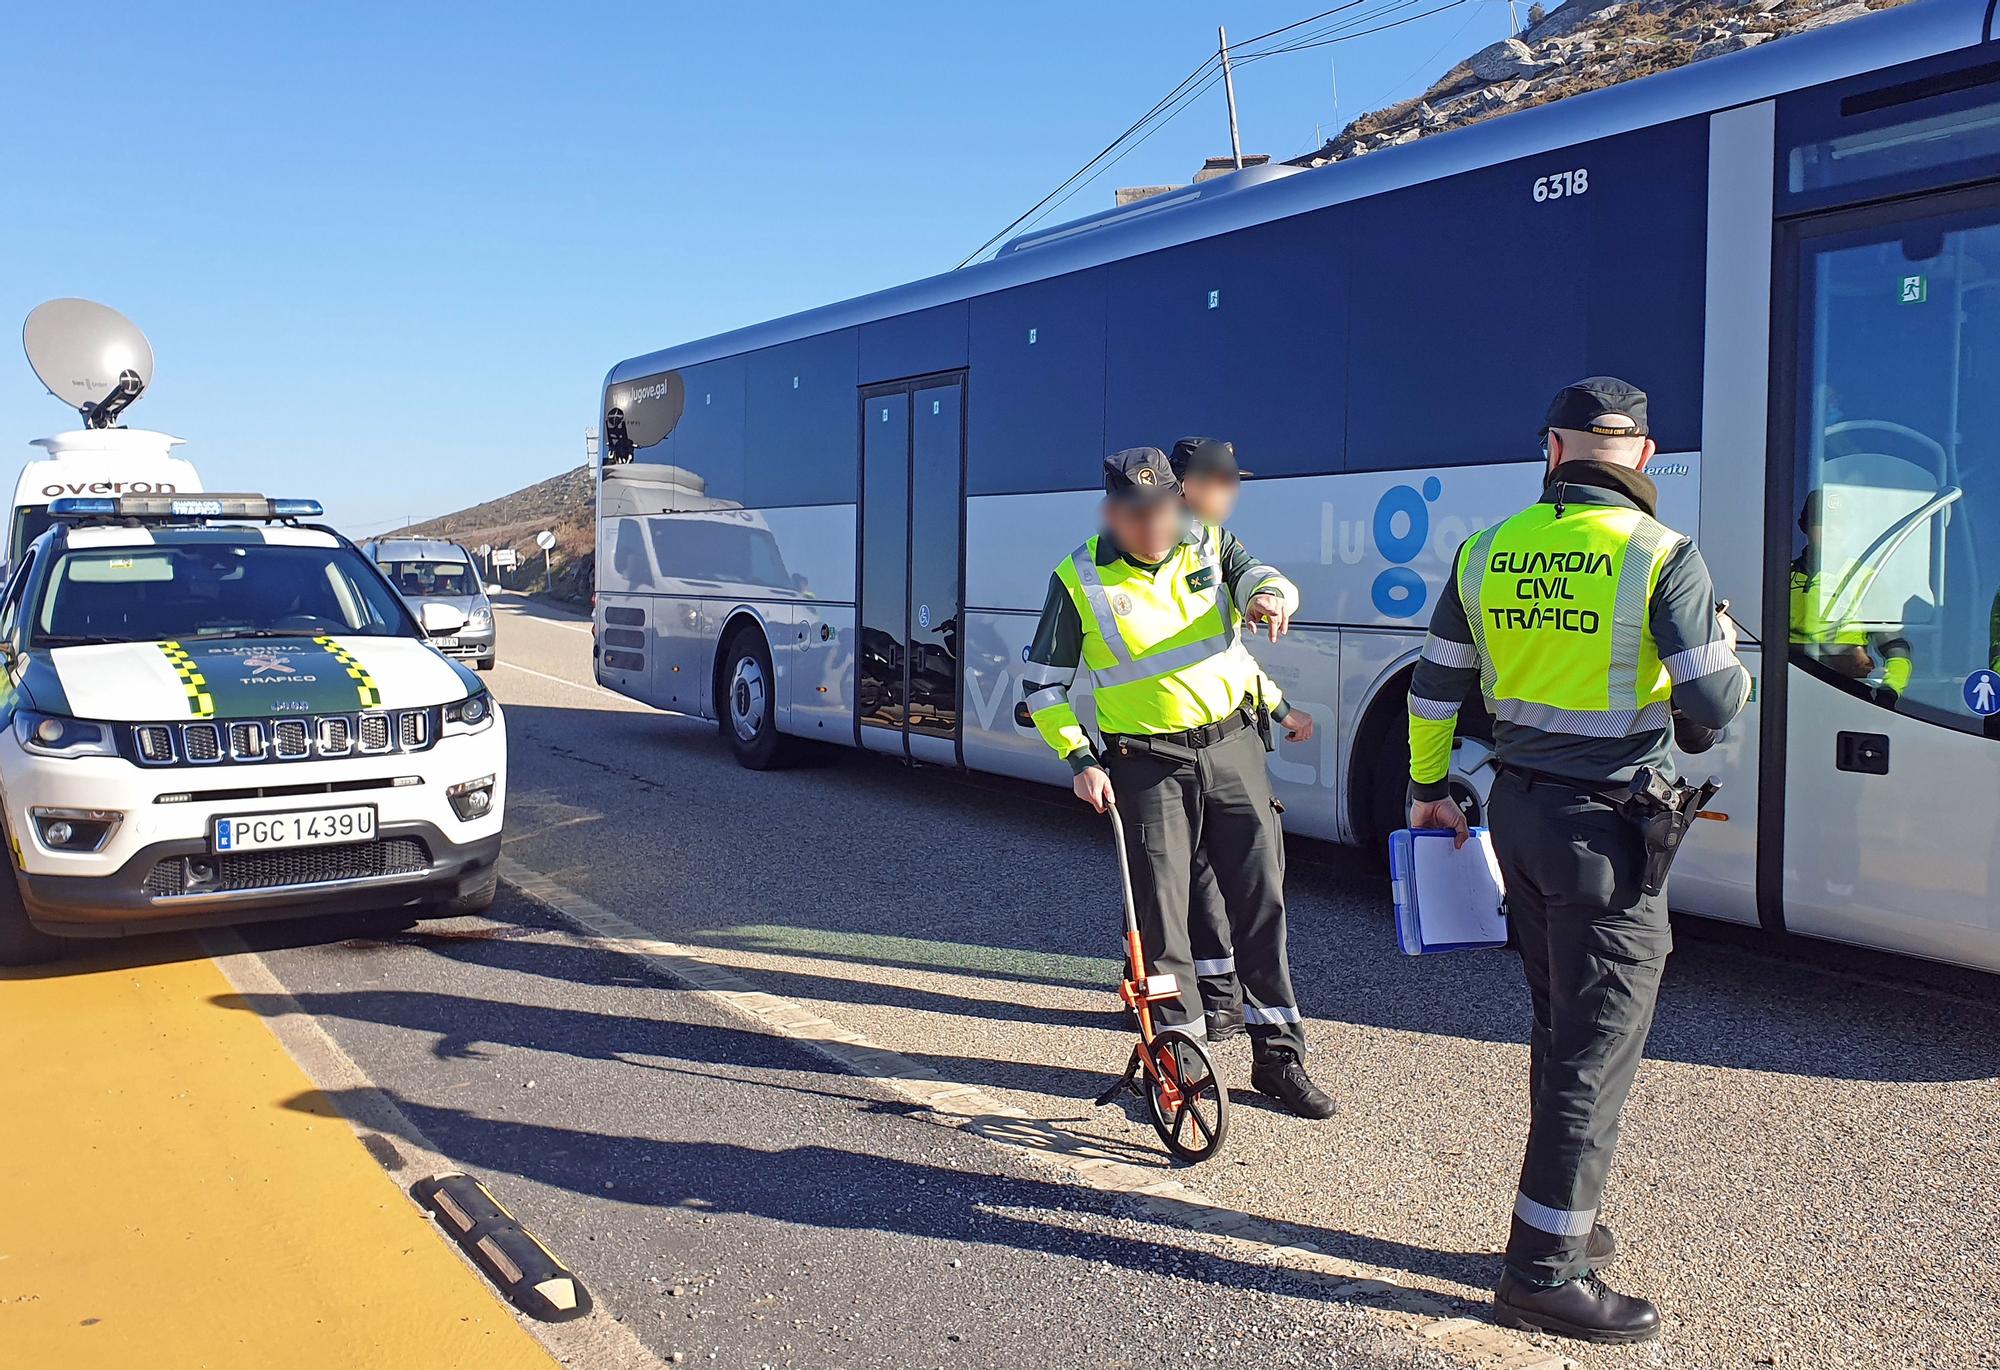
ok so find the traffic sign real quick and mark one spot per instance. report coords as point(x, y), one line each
point(545, 539)
point(505, 558)
point(485, 549)
point(1982, 693)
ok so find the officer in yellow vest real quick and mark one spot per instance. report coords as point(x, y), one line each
point(1210, 483)
point(1585, 624)
point(1153, 607)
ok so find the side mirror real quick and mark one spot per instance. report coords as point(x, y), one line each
point(493, 589)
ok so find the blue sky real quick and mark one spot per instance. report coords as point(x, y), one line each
point(385, 253)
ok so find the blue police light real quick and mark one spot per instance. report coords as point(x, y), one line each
point(297, 509)
point(76, 506)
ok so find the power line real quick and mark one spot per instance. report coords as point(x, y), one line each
point(1198, 82)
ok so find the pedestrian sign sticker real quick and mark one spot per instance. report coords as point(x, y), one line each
point(1982, 693)
point(1915, 290)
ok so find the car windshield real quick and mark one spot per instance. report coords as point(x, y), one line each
point(420, 578)
point(204, 588)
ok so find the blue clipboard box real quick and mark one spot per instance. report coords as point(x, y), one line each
point(1446, 900)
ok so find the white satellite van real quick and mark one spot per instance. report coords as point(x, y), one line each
point(98, 459)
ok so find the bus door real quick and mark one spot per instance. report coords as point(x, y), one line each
point(907, 685)
point(1886, 566)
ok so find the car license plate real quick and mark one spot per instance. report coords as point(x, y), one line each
point(442, 642)
point(298, 828)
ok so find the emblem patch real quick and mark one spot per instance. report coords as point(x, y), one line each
point(1144, 475)
point(1121, 604)
point(1201, 579)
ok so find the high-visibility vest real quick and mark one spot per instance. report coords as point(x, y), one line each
point(1558, 607)
point(1159, 644)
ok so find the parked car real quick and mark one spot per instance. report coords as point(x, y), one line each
point(220, 713)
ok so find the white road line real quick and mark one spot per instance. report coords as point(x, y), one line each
point(559, 680)
point(552, 622)
point(598, 1338)
point(1429, 1317)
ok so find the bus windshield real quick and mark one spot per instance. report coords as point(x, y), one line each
point(163, 592)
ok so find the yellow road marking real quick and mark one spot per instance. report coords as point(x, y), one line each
point(174, 1193)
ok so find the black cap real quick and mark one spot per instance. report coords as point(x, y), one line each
point(1204, 457)
point(1584, 405)
point(1140, 475)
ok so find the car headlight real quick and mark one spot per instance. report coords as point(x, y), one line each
point(54, 735)
point(473, 714)
point(482, 617)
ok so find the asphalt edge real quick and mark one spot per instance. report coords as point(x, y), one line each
point(1429, 1321)
point(597, 1341)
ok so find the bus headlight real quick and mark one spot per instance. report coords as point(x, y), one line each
point(54, 735)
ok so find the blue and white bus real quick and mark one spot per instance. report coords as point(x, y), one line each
point(839, 525)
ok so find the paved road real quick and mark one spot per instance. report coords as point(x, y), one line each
point(1808, 1175)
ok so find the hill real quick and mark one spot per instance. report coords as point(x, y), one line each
point(1584, 45)
point(562, 504)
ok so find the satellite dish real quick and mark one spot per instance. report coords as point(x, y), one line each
point(90, 357)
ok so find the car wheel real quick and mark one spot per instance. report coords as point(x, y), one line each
point(21, 942)
point(746, 706)
point(484, 663)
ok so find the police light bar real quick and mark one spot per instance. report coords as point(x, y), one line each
point(184, 507)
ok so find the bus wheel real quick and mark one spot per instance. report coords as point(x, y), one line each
point(746, 705)
point(21, 942)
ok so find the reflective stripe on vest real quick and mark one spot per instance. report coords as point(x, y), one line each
point(1558, 609)
point(1127, 669)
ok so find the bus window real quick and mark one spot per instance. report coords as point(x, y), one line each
point(1895, 578)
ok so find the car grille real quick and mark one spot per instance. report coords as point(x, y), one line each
point(302, 738)
point(276, 870)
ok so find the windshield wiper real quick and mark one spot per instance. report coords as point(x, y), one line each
point(77, 640)
point(261, 632)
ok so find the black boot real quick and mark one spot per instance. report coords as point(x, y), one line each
point(1278, 1074)
point(1224, 1023)
point(1602, 1248)
point(1584, 1308)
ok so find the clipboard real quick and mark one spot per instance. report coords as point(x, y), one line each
point(1446, 900)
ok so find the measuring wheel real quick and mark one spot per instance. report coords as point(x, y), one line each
point(1190, 1106)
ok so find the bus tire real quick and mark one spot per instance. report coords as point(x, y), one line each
point(1381, 793)
point(746, 701)
point(21, 942)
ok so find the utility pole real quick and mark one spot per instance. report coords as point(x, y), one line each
point(1229, 90)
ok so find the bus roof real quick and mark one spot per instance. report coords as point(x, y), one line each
point(1909, 32)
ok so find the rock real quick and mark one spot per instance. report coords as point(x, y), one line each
point(1734, 42)
point(1837, 14)
point(1428, 117)
point(1577, 14)
point(1503, 61)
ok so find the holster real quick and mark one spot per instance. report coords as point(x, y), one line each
point(1154, 746)
point(1662, 812)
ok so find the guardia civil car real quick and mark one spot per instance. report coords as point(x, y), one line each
point(214, 711)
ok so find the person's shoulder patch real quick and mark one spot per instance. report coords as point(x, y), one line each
point(1201, 579)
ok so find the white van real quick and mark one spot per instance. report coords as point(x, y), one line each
point(94, 462)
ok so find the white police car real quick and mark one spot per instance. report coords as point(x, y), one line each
point(213, 712)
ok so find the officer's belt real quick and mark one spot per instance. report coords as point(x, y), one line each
point(1178, 746)
point(1597, 789)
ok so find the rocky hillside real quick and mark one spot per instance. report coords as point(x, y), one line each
point(1582, 46)
point(562, 504)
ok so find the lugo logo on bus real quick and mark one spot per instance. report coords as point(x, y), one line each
point(1402, 529)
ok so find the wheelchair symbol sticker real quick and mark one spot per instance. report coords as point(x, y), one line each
point(1982, 693)
point(923, 615)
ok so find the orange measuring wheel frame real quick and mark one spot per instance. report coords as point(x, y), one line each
point(1169, 1067)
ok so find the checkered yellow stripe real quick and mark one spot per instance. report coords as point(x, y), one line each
point(201, 704)
point(364, 684)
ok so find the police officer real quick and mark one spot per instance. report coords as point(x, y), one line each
point(1210, 483)
point(1585, 623)
point(1152, 607)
